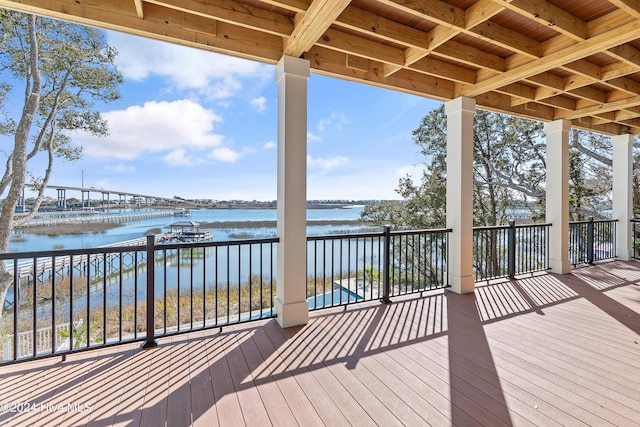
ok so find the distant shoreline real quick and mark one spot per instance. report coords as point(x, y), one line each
point(273, 224)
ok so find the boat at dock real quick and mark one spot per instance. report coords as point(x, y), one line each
point(185, 232)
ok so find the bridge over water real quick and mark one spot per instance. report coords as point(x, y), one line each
point(140, 199)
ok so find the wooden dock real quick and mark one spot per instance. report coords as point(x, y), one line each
point(48, 220)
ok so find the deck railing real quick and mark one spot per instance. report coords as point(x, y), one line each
point(118, 294)
point(508, 250)
point(121, 294)
point(635, 237)
point(352, 268)
point(591, 241)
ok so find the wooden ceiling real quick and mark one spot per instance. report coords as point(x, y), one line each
point(544, 59)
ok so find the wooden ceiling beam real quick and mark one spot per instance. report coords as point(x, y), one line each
point(632, 7)
point(550, 15)
point(501, 103)
point(296, 6)
point(159, 23)
point(446, 70)
point(471, 56)
point(618, 69)
point(541, 93)
point(586, 123)
point(603, 118)
point(627, 54)
point(524, 94)
point(365, 22)
point(312, 24)
point(436, 11)
point(558, 58)
point(234, 13)
point(139, 8)
point(482, 11)
point(508, 39)
point(633, 101)
point(333, 63)
point(347, 43)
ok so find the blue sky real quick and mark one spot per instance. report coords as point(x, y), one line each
point(203, 125)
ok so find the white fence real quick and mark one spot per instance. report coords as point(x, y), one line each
point(43, 341)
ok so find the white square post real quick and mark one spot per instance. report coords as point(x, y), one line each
point(557, 194)
point(460, 113)
point(292, 75)
point(623, 194)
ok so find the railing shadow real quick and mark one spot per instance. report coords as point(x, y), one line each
point(373, 351)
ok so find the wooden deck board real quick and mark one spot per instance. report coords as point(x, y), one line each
point(203, 410)
point(542, 350)
point(272, 398)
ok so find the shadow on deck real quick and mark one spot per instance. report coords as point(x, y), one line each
point(540, 350)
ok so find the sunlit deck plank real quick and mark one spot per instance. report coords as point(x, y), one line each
point(542, 350)
point(302, 409)
point(153, 388)
point(203, 411)
point(275, 403)
point(179, 387)
point(227, 403)
point(92, 390)
point(253, 409)
point(104, 403)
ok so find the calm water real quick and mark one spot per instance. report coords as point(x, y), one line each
point(137, 229)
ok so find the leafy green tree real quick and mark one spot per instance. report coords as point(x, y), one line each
point(509, 170)
point(62, 70)
point(590, 174)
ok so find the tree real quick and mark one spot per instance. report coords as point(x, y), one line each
point(64, 70)
point(509, 170)
point(590, 174)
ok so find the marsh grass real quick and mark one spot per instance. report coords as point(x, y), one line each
point(213, 306)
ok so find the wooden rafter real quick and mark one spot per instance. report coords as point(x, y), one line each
point(558, 58)
point(312, 24)
point(139, 9)
point(526, 57)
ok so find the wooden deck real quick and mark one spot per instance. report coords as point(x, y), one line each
point(543, 350)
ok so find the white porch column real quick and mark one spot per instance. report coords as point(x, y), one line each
point(623, 193)
point(291, 303)
point(459, 113)
point(557, 194)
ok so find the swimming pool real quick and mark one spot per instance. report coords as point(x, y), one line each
point(335, 298)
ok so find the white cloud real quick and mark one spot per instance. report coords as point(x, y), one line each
point(335, 120)
point(216, 75)
point(152, 128)
point(179, 157)
point(312, 138)
point(259, 104)
point(269, 145)
point(224, 154)
point(327, 163)
point(323, 124)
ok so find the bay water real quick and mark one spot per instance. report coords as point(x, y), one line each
point(26, 242)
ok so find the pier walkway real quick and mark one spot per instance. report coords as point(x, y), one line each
point(51, 219)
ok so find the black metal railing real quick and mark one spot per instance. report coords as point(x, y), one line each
point(635, 236)
point(591, 241)
point(352, 268)
point(71, 300)
point(508, 250)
